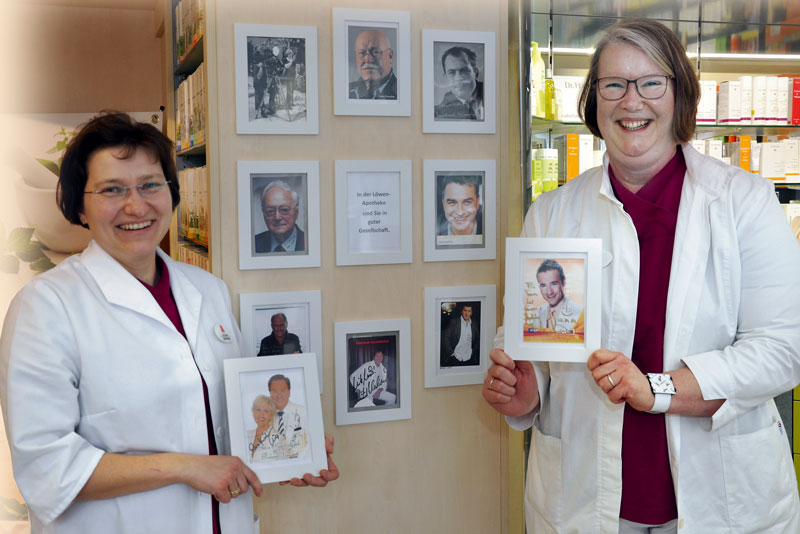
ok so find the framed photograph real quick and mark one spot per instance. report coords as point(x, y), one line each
point(459, 82)
point(283, 322)
point(459, 202)
point(278, 214)
point(373, 371)
point(373, 212)
point(552, 299)
point(276, 79)
point(275, 415)
point(460, 323)
point(371, 62)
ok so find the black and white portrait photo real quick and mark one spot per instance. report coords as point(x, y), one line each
point(460, 334)
point(276, 79)
point(458, 88)
point(371, 65)
point(459, 209)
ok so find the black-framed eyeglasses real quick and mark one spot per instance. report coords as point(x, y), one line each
point(283, 211)
point(120, 192)
point(374, 52)
point(649, 87)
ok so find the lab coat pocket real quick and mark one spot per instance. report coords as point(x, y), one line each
point(759, 481)
point(543, 487)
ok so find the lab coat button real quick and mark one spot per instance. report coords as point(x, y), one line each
point(220, 431)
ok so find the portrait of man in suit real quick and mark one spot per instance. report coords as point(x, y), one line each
point(280, 205)
point(461, 336)
point(459, 210)
point(463, 100)
point(373, 57)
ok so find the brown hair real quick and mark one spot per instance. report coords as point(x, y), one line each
point(662, 46)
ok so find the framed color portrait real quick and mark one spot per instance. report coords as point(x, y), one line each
point(371, 62)
point(275, 415)
point(460, 323)
point(278, 214)
point(373, 212)
point(459, 82)
point(276, 79)
point(552, 299)
point(459, 202)
point(281, 323)
point(373, 371)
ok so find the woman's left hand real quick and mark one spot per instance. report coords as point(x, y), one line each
point(621, 379)
point(325, 475)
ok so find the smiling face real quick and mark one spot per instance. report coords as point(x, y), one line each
point(279, 392)
point(378, 358)
point(460, 202)
point(129, 229)
point(462, 77)
point(279, 327)
point(374, 57)
point(551, 286)
point(280, 212)
point(263, 412)
point(637, 131)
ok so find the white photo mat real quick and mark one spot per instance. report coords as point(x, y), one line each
point(373, 212)
point(398, 23)
point(436, 171)
point(376, 333)
point(434, 43)
point(245, 378)
point(293, 120)
point(580, 261)
point(251, 221)
point(303, 310)
point(482, 297)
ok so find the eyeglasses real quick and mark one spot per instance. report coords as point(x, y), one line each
point(648, 87)
point(283, 211)
point(120, 192)
point(374, 52)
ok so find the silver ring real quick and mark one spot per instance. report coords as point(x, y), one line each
point(491, 382)
point(609, 379)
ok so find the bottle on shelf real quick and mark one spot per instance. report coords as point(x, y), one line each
point(549, 97)
point(537, 81)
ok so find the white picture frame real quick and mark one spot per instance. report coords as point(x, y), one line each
point(356, 345)
point(395, 26)
point(373, 212)
point(303, 317)
point(451, 183)
point(529, 333)
point(300, 448)
point(261, 73)
point(255, 241)
point(471, 105)
point(444, 309)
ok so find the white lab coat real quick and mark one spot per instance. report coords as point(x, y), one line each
point(733, 317)
point(90, 363)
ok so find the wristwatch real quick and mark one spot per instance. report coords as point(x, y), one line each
point(662, 387)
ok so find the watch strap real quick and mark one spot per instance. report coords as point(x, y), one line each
point(661, 404)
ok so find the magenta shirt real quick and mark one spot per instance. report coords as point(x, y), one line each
point(163, 295)
point(648, 495)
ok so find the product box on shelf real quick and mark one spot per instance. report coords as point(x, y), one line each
point(729, 102)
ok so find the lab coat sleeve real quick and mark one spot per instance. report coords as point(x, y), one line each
point(39, 380)
point(764, 359)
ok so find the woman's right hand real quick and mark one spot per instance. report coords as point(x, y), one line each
point(220, 476)
point(510, 386)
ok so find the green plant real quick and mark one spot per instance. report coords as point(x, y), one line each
point(62, 139)
point(18, 247)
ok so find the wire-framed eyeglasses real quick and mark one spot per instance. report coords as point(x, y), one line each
point(649, 87)
point(120, 192)
point(374, 52)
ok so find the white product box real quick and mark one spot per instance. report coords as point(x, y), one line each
point(707, 109)
point(714, 148)
point(570, 87)
point(772, 99)
point(699, 145)
point(791, 156)
point(585, 152)
point(747, 99)
point(773, 163)
point(759, 100)
point(729, 102)
point(755, 156)
point(783, 100)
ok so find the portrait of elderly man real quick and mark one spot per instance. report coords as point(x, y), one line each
point(279, 205)
point(461, 206)
point(374, 61)
point(464, 98)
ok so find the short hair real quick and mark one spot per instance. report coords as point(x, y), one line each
point(263, 399)
point(279, 314)
point(551, 265)
point(463, 52)
point(662, 46)
point(460, 179)
point(275, 378)
point(283, 185)
point(110, 129)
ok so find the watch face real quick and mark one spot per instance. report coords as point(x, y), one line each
point(661, 383)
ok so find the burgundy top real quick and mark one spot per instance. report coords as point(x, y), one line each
point(164, 297)
point(648, 495)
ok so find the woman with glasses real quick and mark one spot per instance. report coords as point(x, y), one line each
point(671, 426)
point(111, 375)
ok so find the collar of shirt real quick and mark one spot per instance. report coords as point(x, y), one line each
point(474, 227)
point(288, 245)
